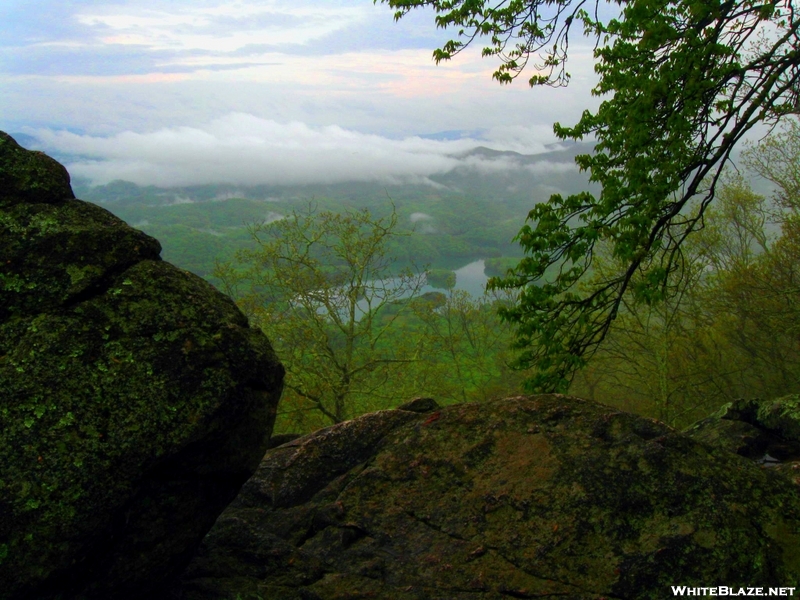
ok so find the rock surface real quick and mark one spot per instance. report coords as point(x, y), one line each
point(753, 428)
point(134, 398)
point(766, 431)
point(526, 497)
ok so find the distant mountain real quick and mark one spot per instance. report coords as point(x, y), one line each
point(490, 153)
point(561, 152)
point(484, 174)
point(517, 179)
point(472, 212)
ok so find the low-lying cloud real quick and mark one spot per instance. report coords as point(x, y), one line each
point(419, 216)
point(242, 149)
point(422, 222)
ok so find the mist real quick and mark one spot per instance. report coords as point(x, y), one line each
point(242, 149)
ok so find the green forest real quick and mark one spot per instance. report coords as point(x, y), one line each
point(291, 309)
point(336, 282)
point(654, 277)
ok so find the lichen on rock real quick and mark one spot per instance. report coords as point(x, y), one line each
point(525, 497)
point(754, 428)
point(27, 176)
point(134, 397)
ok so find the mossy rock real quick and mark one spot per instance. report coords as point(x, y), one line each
point(59, 254)
point(755, 428)
point(526, 497)
point(134, 397)
point(27, 176)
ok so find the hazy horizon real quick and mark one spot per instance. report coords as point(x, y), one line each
point(262, 92)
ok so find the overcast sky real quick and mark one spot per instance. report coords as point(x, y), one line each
point(176, 92)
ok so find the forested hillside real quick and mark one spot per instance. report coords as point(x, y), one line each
point(444, 343)
point(466, 214)
point(399, 299)
point(726, 330)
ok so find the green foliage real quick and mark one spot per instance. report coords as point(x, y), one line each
point(777, 159)
point(467, 348)
point(195, 235)
point(499, 266)
point(319, 284)
point(728, 327)
point(682, 83)
point(352, 329)
point(441, 278)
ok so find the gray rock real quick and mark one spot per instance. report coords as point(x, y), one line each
point(519, 498)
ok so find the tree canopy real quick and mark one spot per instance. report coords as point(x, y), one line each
point(322, 284)
point(731, 328)
point(352, 328)
point(681, 82)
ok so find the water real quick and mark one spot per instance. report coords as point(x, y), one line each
point(469, 278)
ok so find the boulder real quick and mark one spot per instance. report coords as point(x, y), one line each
point(767, 431)
point(134, 397)
point(525, 497)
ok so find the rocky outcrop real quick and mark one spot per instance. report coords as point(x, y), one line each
point(520, 498)
point(766, 431)
point(134, 398)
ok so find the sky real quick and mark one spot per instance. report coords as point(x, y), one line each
point(184, 92)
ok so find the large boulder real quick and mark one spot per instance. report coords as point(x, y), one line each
point(134, 398)
point(766, 431)
point(754, 428)
point(526, 497)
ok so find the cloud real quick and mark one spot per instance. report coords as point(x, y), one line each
point(220, 27)
point(153, 35)
point(422, 221)
point(523, 139)
point(243, 149)
point(489, 166)
point(419, 216)
point(548, 166)
point(104, 68)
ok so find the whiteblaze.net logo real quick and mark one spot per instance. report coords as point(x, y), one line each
point(722, 590)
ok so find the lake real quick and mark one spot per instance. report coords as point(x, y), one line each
point(469, 278)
